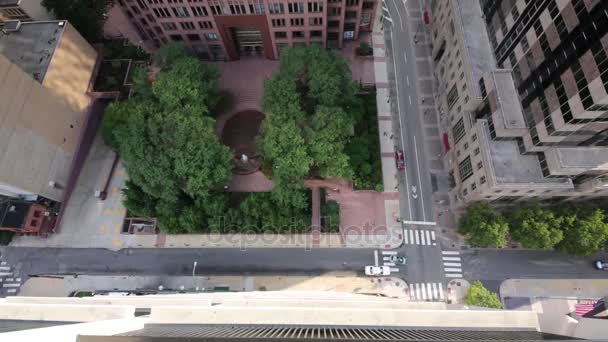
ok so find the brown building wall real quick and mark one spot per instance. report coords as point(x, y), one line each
point(226, 23)
point(71, 68)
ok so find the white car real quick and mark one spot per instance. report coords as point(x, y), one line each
point(377, 270)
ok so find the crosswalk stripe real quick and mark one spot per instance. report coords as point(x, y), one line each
point(11, 290)
point(428, 287)
point(411, 236)
point(389, 252)
point(450, 269)
point(451, 258)
point(453, 264)
point(376, 257)
point(422, 240)
point(2, 274)
point(18, 279)
point(5, 268)
point(423, 290)
point(11, 285)
point(394, 269)
point(405, 238)
point(440, 291)
point(450, 252)
point(10, 279)
point(417, 237)
point(453, 275)
point(433, 235)
point(428, 237)
point(389, 264)
point(435, 291)
point(417, 290)
point(3, 263)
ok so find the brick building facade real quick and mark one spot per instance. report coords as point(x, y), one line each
point(230, 29)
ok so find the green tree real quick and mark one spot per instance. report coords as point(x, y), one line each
point(175, 161)
point(309, 108)
point(536, 227)
point(478, 295)
point(585, 230)
point(167, 54)
point(483, 226)
point(87, 16)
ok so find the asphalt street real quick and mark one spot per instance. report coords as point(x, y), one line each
point(414, 181)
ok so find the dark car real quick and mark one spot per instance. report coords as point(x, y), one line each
point(400, 159)
point(601, 265)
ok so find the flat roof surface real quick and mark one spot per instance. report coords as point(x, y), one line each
point(591, 157)
point(508, 98)
point(32, 47)
point(13, 213)
point(9, 2)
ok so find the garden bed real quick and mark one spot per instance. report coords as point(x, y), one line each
point(330, 214)
point(364, 148)
point(111, 75)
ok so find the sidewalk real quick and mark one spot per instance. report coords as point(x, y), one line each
point(555, 288)
point(345, 282)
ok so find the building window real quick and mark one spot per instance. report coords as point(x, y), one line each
point(476, 151)
point(333, 23)
point(473, 186)
point(368, 4)
point(193, 37)
point(216, 10)
point(452, 97)
point(465, 169)
point(280, 34)
point(169, 26)
point(479, 165)
point(350, 15)
point(238, 9)
point(366, 18)
point(315, 7)
point(297, 34)
point(276, 8)
point(466, 146)
point(315, 21)
point(352, 2)
point(187, 25)
point(205, 24)
point(335, 11)
point(278, 22)
point(176, 37)
point(295, 7)
point(199, 11)
point(211, 36)
point(316, 33)
point(257, 8)
point(482, 180)
point(465, 192)
point(296, 21)
point(181, 12)
point(474, 137)
point(458, 130)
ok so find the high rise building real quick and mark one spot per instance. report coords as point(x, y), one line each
point(523, 97)
point(45, 71)
point(229, 29)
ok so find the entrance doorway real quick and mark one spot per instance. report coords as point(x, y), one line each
point(248, 41)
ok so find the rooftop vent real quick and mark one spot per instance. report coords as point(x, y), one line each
point(11, 26)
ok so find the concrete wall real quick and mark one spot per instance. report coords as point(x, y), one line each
point(71, 69)
point(36, 140)
point(35, 10)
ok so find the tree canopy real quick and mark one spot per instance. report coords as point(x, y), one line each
point(310, 107)
point(164, 134)
point(478, 295)
point(483, 226)
point(536, 227)
point(87, 16)
point(585, 230)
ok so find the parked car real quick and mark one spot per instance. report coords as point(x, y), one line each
point(400, 159)
point(376, 271)
point(601, 265)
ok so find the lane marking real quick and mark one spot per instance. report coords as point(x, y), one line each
point(428, 287)
point(389, 264)
point(451, 259)
point(417, 238)
point(2, 274)
point(450, 252)
point(376, 257)
point(400, 20)
point(450, 269)
point(394, 269)
point(11, 285)
point(387, 18)
point(417, 290)
point(450, 275)
point(5, 268)
point(422, 238)
point(407, 78)
point(419, 179)
point(389, 252)
point(410, 98)
point(440, 291)
point(428, 237)
point(412, 236)
point(433, 235)
point(423, 290)
point(407, 186)
point(435, 292)
point(452, 264)
point(421, 223)
point(11, 290)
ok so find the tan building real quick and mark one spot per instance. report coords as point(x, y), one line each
point(45, 70)
point(530, 125)
point(24, 10)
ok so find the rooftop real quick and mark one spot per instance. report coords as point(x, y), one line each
point(13, 213)
point(32, 46)
point(510, 107)
point(6, 3)
point(583, 158)
point(511, 167)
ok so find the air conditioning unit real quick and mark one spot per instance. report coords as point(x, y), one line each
point(11, 26)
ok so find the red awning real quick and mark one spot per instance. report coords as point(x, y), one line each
point(446, 142)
